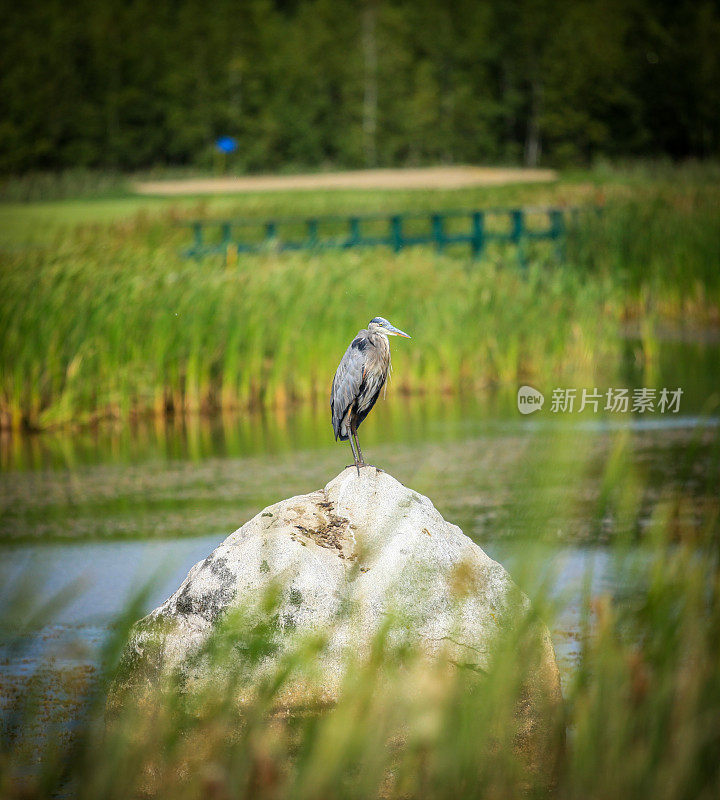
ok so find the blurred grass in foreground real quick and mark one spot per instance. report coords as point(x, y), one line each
point(110, 321)
point(641, 716)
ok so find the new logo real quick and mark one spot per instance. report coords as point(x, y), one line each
point(529, 400)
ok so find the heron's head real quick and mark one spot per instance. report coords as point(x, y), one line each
point(381, 325)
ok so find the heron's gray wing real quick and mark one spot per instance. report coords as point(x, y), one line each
point(372, 384)
point(347, 385)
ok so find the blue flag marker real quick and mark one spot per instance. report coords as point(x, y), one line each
point(226, 144)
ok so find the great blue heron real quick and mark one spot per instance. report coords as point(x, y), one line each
point(359, 380)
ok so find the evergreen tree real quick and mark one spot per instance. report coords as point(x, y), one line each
point(350, 83)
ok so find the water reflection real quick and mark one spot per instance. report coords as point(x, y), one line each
point(496, 473)
point(692, 365)
point(495, 476)
point(229, 435)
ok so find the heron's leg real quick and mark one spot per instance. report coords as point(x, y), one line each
point(353, 436)
point(355, 459)
point(357, 445)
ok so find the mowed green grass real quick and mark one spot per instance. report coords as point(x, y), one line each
point(103, 199)
point(39, 222)
point(100, 315)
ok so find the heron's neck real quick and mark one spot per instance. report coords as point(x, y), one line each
point(382, 344)
point(382, 341)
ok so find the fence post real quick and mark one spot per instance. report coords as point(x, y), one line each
point(478, 233)
point(312, 229)
point(517, 234)
point(225, 241)
point(397, 235)
point(518, 225)
point(354, 238)
point(438, 232)
point(557, 229)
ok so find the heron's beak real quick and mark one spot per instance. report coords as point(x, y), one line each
point(393, 331)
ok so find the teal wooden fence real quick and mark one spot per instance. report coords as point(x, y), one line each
point(439, 229)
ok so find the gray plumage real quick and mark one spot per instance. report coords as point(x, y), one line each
point(359, 379)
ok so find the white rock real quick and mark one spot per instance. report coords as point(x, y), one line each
point(347, 556)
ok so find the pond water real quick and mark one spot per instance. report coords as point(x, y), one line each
point(88, 518)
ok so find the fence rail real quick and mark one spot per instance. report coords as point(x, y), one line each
point(438, 228)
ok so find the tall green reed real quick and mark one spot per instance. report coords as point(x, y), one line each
point(108, 331)
point(110, 321)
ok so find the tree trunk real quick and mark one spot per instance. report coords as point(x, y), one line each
point(533, 144)
point(370, 95)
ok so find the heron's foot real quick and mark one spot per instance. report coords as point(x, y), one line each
point(362, 466)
